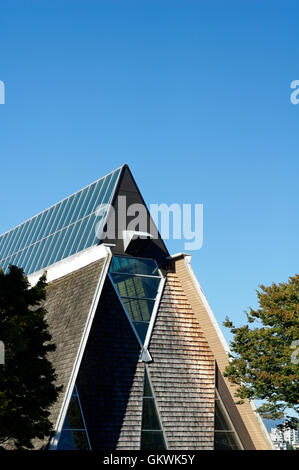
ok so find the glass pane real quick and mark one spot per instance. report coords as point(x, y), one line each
point(136, 286)
point(73, 418)
point(7, 244)
point(77, 206)
point(32, 236)
point(139, 310)
point(141, 328)
point(103, 191)
point(55, 246)
point(63, 212)
point(63, 239)
point(37, 253)
point(88, 227)
point(147, 391)
point(80, 227)
point(14, 259)
point(225, 441)
point(92, 239)
point(31, 256)
point(93, 197)
point(58, 216)
point(71, 236)
point(23, 258)
point(108, 195)
point(150, 418)
point(19, 243)
point(41, 261)
point(152, 440)
point(13, 241)
point(3, 242)
point(124, 264)
point(85, 202)
point(71, 203)
point(221, 422)
point(52, 222)
point(48, 255)
point(73, 440)
point(43, 230)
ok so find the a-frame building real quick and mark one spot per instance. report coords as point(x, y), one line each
point(139, 352)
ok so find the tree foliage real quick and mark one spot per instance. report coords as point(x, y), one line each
point(264, 363)
point(27, 388)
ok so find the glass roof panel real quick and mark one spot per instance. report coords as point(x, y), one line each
point(26, 241)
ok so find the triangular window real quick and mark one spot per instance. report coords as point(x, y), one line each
point(74, 434)
point(137, 281)
point(152, 437)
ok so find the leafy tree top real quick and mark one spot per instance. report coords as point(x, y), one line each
point(264, 361)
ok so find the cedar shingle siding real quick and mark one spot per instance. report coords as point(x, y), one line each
point(182, 373)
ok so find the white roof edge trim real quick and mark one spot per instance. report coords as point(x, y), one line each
point(177, 255)
point(206, 303)
point(69, 264)
point(262, 424)
point(83, 342)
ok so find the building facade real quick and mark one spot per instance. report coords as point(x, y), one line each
point(139, 352)
point(284, 439)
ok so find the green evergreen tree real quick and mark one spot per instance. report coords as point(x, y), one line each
point(27, 378)
point(264, 353)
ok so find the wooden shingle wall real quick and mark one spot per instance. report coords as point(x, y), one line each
point(182, 372)
point(242, 413)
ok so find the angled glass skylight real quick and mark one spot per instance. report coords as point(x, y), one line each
point(137, 281)
point(66, 228)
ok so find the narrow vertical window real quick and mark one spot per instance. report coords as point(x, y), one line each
point(225, 437)
point(152, 437)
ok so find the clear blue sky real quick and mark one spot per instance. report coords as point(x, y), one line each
point(193, 95)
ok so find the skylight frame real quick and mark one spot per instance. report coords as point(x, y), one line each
point(145, 355)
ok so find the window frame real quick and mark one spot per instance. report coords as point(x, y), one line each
point(227, 418)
